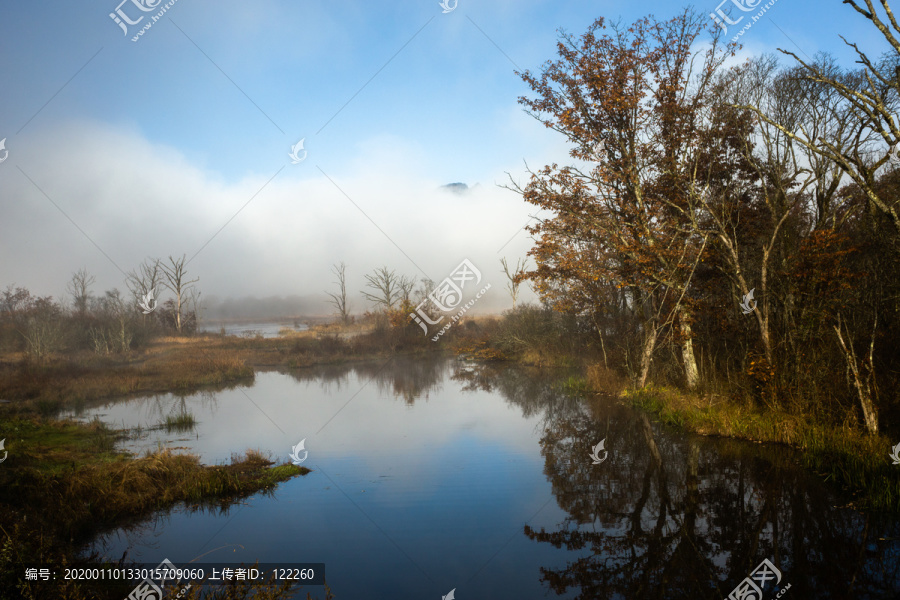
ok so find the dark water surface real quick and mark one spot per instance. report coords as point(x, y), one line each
point(432, 474)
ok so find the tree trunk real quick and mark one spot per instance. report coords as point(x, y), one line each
point(863, 385)
point(600, 333)
point(178, 313)
point(687, 350)
point(647, 353)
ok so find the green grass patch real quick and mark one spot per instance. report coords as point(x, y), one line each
point(183, 421)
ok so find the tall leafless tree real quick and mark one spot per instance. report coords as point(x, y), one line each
point(176, 282)
point(339, 298)
point(79, 287)
point(515, 277)
point(195, 303)
point(386, 286)
point(405, 287)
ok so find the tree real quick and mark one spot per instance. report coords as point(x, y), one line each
point(627, 221)
point(147, 278)
point(175, 281)
point(37, 320)
point(113, 332)
point(196, 308)
point(339, 299)
point(386, 288)
point(405, 287)
point(871, 98)
point(515, 277)
point(79, 287)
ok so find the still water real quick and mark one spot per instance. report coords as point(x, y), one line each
point(432, 474)
point(266, 329)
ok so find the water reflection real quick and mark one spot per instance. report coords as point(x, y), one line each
point(673, 516)
point(406, 377)
point(427, 469)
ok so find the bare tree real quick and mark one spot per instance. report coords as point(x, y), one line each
point(175, 281)
point(114, 332)
point(427, 288)
point(146, 279)
point(339, 299)
point(37, 320)
point(405, 285)
point(196, 307)
point(872, 97)
point(386, 286)
point(79, 288)
point(515, 277)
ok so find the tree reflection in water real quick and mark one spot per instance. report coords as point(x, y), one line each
point(669, 515)
point(407, 377)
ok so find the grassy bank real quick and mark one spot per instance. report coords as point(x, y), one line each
point(172, 365)
point(64, 483)
point(855, 461)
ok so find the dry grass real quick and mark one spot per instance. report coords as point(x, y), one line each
point(846, 455)
point(604, 380)
point(63, 484)
point(181, 364)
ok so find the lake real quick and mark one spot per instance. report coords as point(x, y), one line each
point(433, 474)
point(265, 329)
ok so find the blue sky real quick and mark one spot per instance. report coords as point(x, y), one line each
point(151, 147)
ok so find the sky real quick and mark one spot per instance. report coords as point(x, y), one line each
point(179, 143)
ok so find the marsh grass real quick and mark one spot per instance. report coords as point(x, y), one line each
point(70, 381)
point(183, 421)
point(177, 364)
point(856, 462)
point(63, 483)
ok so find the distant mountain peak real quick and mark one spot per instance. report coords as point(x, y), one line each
point(456, 188)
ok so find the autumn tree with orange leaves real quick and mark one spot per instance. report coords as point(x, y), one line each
point(693, 184)
point(623, 230)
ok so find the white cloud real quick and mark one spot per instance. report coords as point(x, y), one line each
point(136, 198)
